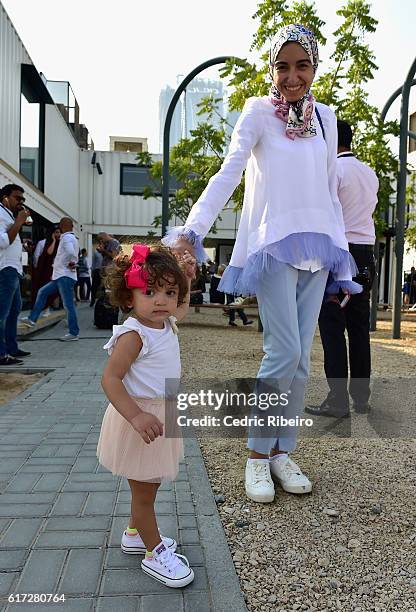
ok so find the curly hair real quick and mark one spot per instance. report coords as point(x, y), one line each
point(161, 266)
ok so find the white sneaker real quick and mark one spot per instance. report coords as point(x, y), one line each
point(168, 567)
point(46, 313)
point(259, 484)
point(68, 338)
point(134, 545)
point(237, 302)
point(28, 322)
point(289, 475)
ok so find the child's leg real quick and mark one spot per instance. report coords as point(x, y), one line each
point(143, 495)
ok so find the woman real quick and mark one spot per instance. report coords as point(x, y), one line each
point(84, 278)
point(42, 273)
point(291, 235)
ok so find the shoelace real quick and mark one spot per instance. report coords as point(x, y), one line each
point(171, 560)
point(261, 472)
point(290, 468)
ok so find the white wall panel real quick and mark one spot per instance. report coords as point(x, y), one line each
point(34, 198)
point(129, 213)
point(12, 55)
point(62, 163)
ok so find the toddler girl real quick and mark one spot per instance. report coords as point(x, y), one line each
point(153, 286)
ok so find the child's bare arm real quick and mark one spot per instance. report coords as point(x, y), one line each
point(188, 264)
point(183, 309)
point(125, 352)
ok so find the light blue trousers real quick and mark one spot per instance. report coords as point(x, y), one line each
point(289, 304)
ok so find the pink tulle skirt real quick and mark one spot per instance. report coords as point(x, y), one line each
point(122, 451)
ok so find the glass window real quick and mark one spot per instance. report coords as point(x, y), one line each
point(29, 140)
point(133, 180)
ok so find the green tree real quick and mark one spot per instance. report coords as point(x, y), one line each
point(410, 234)
point(342, 87)
point(192, 163)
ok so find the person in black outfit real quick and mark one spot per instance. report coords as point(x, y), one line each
point(215, 296)
point(411, 279)
point(219, 297)
point(357, 191)
point(197, 289)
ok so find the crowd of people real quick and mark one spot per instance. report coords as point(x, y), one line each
point(60, 273)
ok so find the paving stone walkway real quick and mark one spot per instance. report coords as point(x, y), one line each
point(62, 515)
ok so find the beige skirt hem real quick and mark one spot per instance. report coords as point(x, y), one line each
point(122, 451)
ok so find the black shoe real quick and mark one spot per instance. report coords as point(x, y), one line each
point(232, 324)
point(326, 409)
point(92, 304)
point(21, 353)
point(7, 360)
point(248, 322)
point(364, 408)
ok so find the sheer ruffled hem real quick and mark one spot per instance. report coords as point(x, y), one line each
point(293, 250)
point(174, 233)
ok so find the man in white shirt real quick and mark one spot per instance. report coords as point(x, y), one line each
point(64, 278)
point(357, 192)
point(12, 216)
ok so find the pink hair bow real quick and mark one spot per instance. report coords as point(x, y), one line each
point(136, 276)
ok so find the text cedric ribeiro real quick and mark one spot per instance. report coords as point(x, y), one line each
point(228, 400)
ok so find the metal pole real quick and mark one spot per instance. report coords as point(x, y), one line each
point(401, 200)
point(166, 132)
point(375, 288)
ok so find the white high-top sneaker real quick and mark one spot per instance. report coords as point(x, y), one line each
point(168, 567)
point(289, 475)
point(259, 484)
point(134, 545)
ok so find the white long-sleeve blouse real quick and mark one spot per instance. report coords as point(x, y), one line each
point(291, 209)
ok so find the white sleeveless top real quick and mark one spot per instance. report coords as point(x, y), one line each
point(158, 360)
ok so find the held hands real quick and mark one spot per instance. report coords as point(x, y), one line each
point(188, 264)
point(148, 426)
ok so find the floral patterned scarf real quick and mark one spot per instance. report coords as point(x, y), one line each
point(298, 115)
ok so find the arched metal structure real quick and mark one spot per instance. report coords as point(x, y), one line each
point(374, 292)
point(166, 132)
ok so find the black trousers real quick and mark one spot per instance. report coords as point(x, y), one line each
point(355, 319)
point(240, 311)
point(96, 282)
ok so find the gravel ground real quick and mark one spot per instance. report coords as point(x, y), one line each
point(348, 546)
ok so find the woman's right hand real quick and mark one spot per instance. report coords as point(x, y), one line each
point(148, 426)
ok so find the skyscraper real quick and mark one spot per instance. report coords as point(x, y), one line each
point(185, 117)
point(165, 98)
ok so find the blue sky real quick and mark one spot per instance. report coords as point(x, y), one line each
point(118, 55)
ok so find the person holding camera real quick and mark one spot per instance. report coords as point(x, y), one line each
point(357, 192)
point(12, 216)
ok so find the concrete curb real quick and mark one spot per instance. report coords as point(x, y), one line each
point(224, 585)
point(42, 323)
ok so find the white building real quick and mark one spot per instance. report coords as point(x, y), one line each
point(45, 149)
